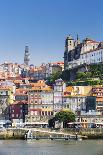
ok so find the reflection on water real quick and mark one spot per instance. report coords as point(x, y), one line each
point(47, 147)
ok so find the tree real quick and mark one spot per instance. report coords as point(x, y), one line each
point(51, 122)
point(51, 80)
point(65, 75)
point(81, 75)
point(65, 116)
point(88, 74)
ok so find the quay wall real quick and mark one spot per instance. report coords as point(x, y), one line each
point(20, 133)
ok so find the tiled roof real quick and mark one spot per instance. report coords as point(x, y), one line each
point(4, 88)
point(99, 99)
point(47, 89)
point(69, 89)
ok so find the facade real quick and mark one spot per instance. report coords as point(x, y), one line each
point(90, 120)
point(26, 97)
point(6, 98)
point(8, 70)
point(37, 72)
point(52, 68)
point(40, 102)
point(98, 92)
point(77, 55)
point(79, 99)
point(18, 112)
point(59, 88)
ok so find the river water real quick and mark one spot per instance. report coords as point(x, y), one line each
point(51, 147)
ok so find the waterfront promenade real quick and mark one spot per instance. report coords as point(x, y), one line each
point(37, 133)
point(44, 133)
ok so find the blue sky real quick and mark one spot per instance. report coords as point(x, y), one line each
point(44, 25)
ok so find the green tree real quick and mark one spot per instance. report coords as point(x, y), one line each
point(81, 75)
point(51, 80)
point(65, 117)
point(88, 74)
point(65, 75)
point(96, 70)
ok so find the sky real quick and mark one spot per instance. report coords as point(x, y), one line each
point(43, 25)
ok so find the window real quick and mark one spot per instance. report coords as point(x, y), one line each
point(67, 106)
point(21, 106)
point(16, 115)
point(36, 101)
point(12, 115)
point(31, 106)
point(43, 113)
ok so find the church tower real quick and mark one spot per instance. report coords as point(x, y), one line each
point(77, 42)
point(26, 56)
point(69, 45)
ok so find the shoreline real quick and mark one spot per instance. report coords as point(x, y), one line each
point(21, 134)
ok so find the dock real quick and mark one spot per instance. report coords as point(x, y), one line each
point(53, 136)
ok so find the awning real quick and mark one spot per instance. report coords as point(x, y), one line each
point(74, 123)
point(36, 123)
point(99, 123)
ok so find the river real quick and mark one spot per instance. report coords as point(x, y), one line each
point(51, 147)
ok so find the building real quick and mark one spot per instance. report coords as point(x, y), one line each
point(77, 54)
point(40, 102)
point(8, 70)
point(18, 112)
point(59, 88)
point(26, 56)
point(52, 68)
point(79, 99)
point(6, 98)
point(98, 93)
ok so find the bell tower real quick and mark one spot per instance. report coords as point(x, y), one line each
point(77, 41)
point(69, 43)
point(26, 56)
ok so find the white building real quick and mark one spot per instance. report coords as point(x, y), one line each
point(87, 52)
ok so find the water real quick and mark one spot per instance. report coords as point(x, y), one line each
point(51, 147)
